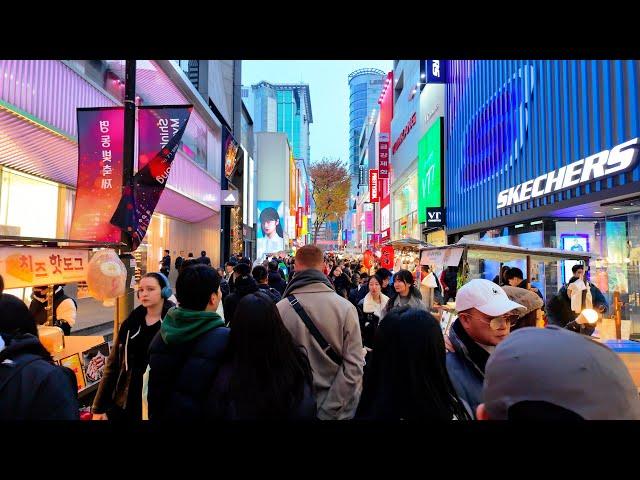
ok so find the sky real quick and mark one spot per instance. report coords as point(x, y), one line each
point(329, 91)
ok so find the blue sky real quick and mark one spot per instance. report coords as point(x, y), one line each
point(329, 90)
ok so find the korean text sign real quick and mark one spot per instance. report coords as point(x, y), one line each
point(27, 267)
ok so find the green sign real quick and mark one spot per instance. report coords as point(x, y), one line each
point(429, 171)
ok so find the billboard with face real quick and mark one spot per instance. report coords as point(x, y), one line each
point(270, 236)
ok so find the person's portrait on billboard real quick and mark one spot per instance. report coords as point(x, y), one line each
point(270, 234)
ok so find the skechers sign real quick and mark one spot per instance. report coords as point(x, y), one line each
point(619, 159)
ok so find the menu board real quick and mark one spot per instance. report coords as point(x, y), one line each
point(73, 362)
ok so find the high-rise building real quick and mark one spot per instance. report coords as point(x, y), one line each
point(365, 86)
point(284, 108)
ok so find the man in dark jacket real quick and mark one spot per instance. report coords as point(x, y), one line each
point(275, 279)
point(361, 288)
point(484, 320)
point(387, 288)
point(32, 387)
point(260, 275)
point(515, 278)
point(179, 260)
point(204, 259)
point(244, 284)
point(166, 264)
point(184, 358)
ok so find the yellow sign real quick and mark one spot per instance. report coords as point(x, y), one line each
point(28, 267)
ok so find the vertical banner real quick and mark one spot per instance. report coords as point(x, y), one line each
point(373, 186)
point(299, 217)
point(231, 153)
point(307, 199)
point(383, 155)
point(292, 185)
point(430, 171)
point(100, 155)
point(160, 128)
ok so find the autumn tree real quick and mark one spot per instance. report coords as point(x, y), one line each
point(331, 185)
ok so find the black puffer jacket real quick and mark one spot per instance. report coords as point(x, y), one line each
point(182, 375)
point(277, 282)
point(244, 286)
point(39, 390)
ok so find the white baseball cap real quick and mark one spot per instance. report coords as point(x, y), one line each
point(485, 296)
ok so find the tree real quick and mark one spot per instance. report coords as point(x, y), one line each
point(331, 185)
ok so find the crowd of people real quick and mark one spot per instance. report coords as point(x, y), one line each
point(317, 337)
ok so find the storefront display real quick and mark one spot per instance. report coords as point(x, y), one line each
point(405, 210)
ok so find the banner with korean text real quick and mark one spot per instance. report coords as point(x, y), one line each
point(99, 186)
point(160, 133)
point(29, 267)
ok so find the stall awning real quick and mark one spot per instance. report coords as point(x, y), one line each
point(408, 243)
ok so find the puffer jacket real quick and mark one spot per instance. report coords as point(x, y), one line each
point(32, 387)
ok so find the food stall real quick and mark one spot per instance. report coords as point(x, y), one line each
point(613, 331)
point(28, 262)
point(403, 254)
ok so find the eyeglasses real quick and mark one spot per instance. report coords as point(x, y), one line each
point(496, 323)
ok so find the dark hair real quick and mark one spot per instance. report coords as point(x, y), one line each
point(230, 264)
point(203, 253)
point(269, 370)
point(166, 251)
point(15, 317)
point(242, 269)
point(425, 268)
point(1, 284)
point(408, 377)
point(190, 254)
point(407, 277)
point(577, 267)
point(383, 273)
point(377, 277)
point(267, 215)
point(273, 266)
point(195, 285)
point(363, 275)
point(245, 260)
point(514, 273)
point(187, 263)
point(259, 273)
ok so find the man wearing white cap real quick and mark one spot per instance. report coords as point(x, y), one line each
point(485, 317)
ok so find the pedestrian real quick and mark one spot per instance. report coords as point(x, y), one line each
point(334, 343)
point(260, 275)
point(515, 278)
point(528, 316)
point(275, 280)
point(430, 288)
point(501, 278)
point(553, 374)
point(449, 281)
point(265, 375)
point(361, 288)
point(485, 317)
point(190, 255)
point(407, 378)
point(386, 277)
point(204, 259)
point(165, 264)
point(179, 260)
point(186, 355)
point(65, 308)
point(370, 310)
point(119, 396)
point(340, 281)
point(406, 292)
point(244, 285)
point(32, 387)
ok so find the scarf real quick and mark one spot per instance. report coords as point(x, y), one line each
point(370, 306)
point(181, 325)
point(467, 346)
point(302, 278)
point(580, 294)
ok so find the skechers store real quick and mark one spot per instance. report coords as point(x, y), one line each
point(546, 154)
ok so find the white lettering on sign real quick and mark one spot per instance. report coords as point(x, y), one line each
point(435, 68)
point(595, 167)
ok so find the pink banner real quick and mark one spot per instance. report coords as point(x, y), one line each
point(100, 155)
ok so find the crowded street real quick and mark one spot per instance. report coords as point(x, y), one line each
point(356, 241)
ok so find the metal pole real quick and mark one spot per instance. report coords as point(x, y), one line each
point(124, 305)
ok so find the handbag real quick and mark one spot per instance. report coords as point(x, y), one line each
point(313, 330)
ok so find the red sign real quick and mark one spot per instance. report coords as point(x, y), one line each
point(99, 187)
point(307, 200)
point(383, 155)
point(404, 133)
point(367, 259)
point(387, 260)
point(299, 217)
point(373, 186)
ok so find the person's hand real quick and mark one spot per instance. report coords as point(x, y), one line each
point(448, 345)
point(601, 308)
point(100, 416)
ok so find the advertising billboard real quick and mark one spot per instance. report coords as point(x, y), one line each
point(270, 235)
point(430, 170)
point(99, 187)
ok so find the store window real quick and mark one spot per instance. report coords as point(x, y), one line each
point(405, 210)
point(28, 204)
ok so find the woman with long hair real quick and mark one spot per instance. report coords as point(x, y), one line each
point(340, 281)
point(265, 375)
point(407, 294)
point(119, 395)
point(407, 378)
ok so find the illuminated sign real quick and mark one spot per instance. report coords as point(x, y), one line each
point(373, 186)
point(619, 159)
point(430, 171)
point(435, 71)
point(383, 155)
point(404, 133)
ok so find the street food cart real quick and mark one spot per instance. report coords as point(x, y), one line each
point(465, 252)
point(406, 254)
point(28, 262)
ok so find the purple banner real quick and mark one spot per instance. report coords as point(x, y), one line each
point(160, 132)
point(100, 144)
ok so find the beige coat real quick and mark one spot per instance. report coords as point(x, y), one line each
point(337, 388)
